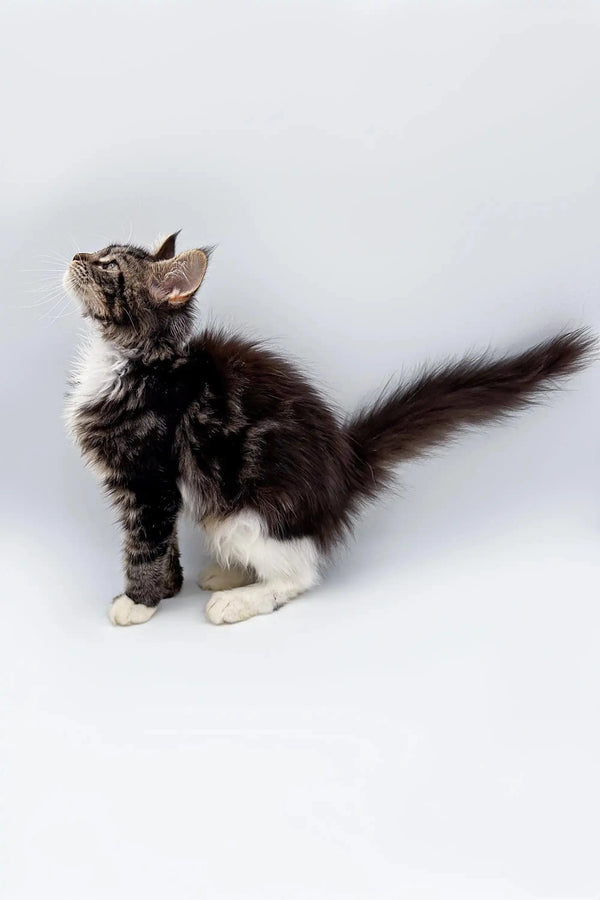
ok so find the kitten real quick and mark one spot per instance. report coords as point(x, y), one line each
point(234, 433)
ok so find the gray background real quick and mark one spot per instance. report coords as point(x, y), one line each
point(388, 183)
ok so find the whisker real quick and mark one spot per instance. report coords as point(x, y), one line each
point(129, 317)
point(45, 295)
point(41, 303)
point(65, 311)
point(40, 288)
point(58, 259)
point(46, 271)
point(49, 312)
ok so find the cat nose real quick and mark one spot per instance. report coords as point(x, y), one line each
point(81, 257)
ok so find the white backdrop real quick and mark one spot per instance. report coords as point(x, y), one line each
point(387, 183)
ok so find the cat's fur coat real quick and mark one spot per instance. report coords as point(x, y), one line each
point(237, 435)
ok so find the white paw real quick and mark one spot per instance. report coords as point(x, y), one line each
point(124, 611)
point(237, 605)
point(215, 578)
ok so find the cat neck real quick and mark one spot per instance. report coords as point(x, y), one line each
point(155, 348)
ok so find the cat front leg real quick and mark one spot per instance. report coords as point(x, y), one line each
point(151, 554)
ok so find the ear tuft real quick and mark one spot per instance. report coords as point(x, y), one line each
point(175, 281)
point(166, 248)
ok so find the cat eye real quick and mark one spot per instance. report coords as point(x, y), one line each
point(111, 264)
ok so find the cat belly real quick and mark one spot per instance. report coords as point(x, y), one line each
point(191, 503)
point(199, 499)
point(200, 493)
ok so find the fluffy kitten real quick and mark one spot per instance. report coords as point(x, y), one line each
point(235, 434)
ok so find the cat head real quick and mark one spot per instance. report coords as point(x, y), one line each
point(138, 298)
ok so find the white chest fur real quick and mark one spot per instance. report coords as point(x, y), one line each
point(96, 375)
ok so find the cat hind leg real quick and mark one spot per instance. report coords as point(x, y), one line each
point(284, 568)
point(222, 578)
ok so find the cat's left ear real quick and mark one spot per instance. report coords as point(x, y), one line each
point(175, 281)
point(166, 248)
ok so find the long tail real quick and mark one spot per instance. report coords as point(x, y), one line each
point(415, 418)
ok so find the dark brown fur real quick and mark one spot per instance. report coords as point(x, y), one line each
point(415, 418)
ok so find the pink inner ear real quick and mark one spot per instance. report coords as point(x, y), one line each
point(178, 299)
point(178, 279)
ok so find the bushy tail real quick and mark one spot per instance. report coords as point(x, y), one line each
point(415, 418)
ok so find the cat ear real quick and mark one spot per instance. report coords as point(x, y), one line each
point(175, 281)
point(166, 248)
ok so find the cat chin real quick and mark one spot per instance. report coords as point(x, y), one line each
point(68, 284)
point(124, 611)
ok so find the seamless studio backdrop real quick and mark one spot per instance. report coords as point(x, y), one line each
point(387, 184)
